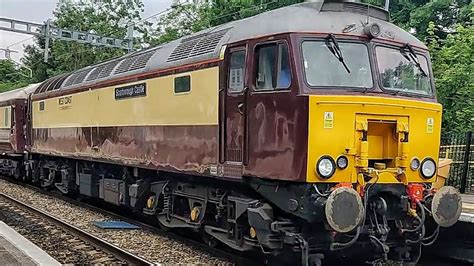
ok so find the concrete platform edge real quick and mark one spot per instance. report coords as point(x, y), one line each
point(467, 217)
point(38, 255)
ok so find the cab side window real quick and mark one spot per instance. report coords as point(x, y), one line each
point(273, 67)
point(237, 71)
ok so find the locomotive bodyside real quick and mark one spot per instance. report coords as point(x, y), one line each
point(151, 124)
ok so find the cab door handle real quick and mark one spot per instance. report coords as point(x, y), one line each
point(240, 108)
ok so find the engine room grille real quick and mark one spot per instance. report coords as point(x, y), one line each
point(53, 83)
point(197, 45)
point(122, 65)
point(102, 71)
point(141, 61)
point(107, 69)
point(77, 77)
point(95, 73)
point(134, 62)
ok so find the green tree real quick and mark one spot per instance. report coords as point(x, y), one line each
point(186, 19)
point(415, 15)
point(453, 66)
point(11, 76)
point(108, 17)
point(7, 70)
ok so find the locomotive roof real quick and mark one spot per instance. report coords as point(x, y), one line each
point(318, 17)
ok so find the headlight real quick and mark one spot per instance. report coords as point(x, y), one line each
point(325, 167)
point(415, 164)
point(342, 162)
point(372, 30)
point(428, 168)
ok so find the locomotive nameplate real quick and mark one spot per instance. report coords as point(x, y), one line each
point(131, 91)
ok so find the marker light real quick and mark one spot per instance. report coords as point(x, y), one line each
point(415, 164)
point(342, 162)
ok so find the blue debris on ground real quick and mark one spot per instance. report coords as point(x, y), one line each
point(113, 224)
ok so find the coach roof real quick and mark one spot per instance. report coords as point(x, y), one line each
point(20, 93)
point(316, 17)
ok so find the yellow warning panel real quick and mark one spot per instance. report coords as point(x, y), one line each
point(328, 119)
point(429, 125)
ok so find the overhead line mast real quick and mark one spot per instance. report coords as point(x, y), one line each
point(49, 31)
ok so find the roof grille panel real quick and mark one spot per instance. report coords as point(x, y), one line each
point(70, 79)
point(197, 45)
point(107, 69)
point(183, 50)
point(51, 84)
point(137, 61)
point(81, 76)
point(207, 45)
point(95, 73)
point(142, 60)
point(125, 65)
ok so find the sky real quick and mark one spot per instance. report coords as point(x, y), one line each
point(38, 11)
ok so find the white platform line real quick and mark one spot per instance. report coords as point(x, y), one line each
point(36, 254)
point(467, 217)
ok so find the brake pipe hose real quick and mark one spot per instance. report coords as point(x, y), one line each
point(421, 220)
point(432, 238)
point(337, 245)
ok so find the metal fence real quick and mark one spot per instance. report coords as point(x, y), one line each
point(459, 147)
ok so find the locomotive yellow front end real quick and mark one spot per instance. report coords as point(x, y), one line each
point(373, 141)
point(389, 144)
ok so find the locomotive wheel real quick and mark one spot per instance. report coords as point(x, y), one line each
point(163, 227)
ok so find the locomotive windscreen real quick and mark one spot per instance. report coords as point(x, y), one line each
point(324, 69)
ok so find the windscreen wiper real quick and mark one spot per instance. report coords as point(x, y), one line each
point(413, 58)
point(333, 46)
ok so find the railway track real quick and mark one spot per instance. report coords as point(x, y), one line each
point(230, 256)
point(85, 247)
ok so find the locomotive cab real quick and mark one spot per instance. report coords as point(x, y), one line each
point(352, 113)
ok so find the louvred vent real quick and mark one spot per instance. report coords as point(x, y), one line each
point(197, 45)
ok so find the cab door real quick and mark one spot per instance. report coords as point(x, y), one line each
point(277, 116)
point(234, 110)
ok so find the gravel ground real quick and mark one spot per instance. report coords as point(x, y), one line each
point(149, 245)
point(57, 242)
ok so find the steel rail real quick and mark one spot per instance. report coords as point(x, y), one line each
point(119, 253)
point(238, 260)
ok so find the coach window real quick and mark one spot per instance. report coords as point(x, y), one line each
point(237, 71)
point(273, 69)
point(182, 84)
point(6, 117)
